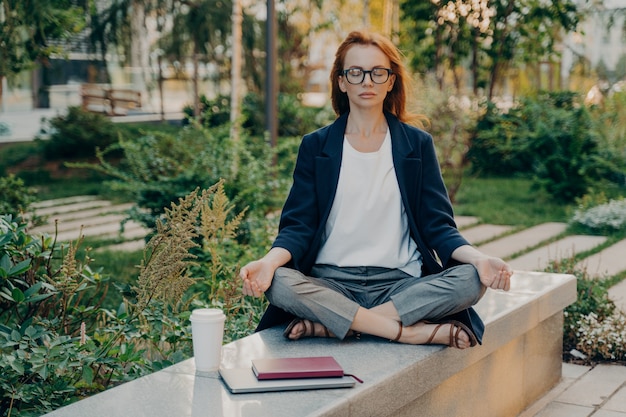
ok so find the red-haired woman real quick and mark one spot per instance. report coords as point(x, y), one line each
point(367, 242)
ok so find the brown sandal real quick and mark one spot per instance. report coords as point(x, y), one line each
point(455, 329)
point(308, 331)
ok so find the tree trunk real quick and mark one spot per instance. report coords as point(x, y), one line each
point(139, 59)
point(497, 65)
point(196, 87)
point(235, 76)
point(1, 93)
point(475, 64)
point(439, 71)
point(161, 98)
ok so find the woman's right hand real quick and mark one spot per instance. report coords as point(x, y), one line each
point(257, 276)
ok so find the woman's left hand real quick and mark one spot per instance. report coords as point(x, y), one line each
point(494, 273)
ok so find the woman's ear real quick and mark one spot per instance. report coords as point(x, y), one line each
point(392, 80)
point(342, 84)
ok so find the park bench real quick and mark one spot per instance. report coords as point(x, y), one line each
point(519, 361)
point(103, 98)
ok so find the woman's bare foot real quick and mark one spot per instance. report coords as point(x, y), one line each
point(450, 334)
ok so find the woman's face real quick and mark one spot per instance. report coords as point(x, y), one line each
point(373, 89)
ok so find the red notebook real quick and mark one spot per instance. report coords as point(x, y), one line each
point(289, 368)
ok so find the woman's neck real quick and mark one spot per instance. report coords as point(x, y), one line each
point(366, 125)
point(366, 133)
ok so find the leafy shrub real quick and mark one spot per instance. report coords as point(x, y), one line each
point(57, 344)
point(160, 168)
point(609, 121)
point(294, 119)
point(451, 122)
point(550, 138)
point(15, 197)
point(77, 134)
point(213, 113)
point(592, 298)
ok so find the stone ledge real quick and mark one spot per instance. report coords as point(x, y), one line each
point(519, 361)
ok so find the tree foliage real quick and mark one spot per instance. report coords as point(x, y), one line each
point(489, 37)
point(29, 30)
point(551, 138)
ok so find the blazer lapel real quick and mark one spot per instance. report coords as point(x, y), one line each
point(406, 161)
point(328, 165)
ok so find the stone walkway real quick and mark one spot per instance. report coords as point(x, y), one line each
point(584, 391)
point(93, 218)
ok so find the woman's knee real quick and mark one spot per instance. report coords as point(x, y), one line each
point(285, 285)
point(471, 282)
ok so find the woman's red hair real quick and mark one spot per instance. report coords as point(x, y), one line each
point(395, 102)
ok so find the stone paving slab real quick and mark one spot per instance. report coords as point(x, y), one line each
point(132, 230)
point(66, 218)
point(556, 409)
point(465, 221)
point(484, 232)
point(63, 201)
point(617, 294)
point(606, 263)
point(106, 216)
point(527, 238)
point(86, 222)
point(596, 387)
point(543, 407)
point(539, 259)
point(73, 207)
point(105, 230)
point(617, 402)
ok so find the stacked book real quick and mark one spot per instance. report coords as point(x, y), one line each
point(287, 374)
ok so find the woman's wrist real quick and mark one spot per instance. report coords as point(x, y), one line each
point(277, 257)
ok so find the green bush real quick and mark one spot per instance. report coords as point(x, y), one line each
point(294, 119)
point(58, 344)
point(160, 168)
point(592, 298)
point(77, 134)
point(15, 197)
point(550, 138)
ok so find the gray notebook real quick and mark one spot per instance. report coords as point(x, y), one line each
point(242, 380)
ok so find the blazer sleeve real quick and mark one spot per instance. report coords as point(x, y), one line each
point(299, 220)
point(435, 215)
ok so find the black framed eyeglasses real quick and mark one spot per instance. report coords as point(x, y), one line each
point(357, 75)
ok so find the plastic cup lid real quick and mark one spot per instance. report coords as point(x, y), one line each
point(207, 314)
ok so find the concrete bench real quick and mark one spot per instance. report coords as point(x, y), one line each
point(519, 361)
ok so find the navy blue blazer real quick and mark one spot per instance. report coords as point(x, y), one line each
point(315, 178)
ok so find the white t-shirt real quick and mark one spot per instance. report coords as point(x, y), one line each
point(367, 225)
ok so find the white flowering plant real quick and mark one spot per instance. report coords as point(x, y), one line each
point(592, 325)
point(602, 338)
point(609, 216)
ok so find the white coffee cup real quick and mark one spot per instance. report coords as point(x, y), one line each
point(207, 333)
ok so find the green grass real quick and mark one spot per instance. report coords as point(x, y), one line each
point(38, 174)
point(510, 201)
point(121, 268)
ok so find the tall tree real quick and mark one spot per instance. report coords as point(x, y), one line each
point(492, 35)
point(33, 30)
point(201, 30)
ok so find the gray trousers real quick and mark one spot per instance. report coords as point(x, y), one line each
point(332, 295)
